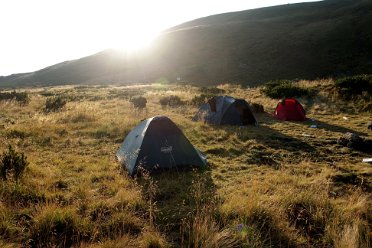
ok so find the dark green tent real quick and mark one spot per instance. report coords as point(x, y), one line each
point(158, 143)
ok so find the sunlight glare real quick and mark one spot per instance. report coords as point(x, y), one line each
point(128, 27)
point(134, 41)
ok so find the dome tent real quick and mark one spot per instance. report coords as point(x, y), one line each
point(158, 143)
point(290, 109)
point(226, 110)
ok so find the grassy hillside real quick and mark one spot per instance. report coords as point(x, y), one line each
point(280, 184)
point(306, 40)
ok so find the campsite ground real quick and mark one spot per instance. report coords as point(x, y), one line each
point(277, 184)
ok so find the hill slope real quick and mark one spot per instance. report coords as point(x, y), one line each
point(305, 40)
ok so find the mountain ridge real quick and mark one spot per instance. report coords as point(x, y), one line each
point(303, 40)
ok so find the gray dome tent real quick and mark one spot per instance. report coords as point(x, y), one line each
point(225, 110)
point(158, 143)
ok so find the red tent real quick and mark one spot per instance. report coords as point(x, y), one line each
point(290, 110)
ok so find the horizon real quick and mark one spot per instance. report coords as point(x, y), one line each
point(50, 33)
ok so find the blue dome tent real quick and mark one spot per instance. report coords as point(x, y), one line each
point(158, 143)
point(226, 110)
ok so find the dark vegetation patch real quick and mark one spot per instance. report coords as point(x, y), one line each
point(199, 100)
point(21, 97)
point(54, 104)
point(262, 157)
point(347, 178)
point(354, 86)
point(171, 101)
point(284, 89)
point(207, 93)
point(352, 179)
point(352, 94)
point(61, 185)
point(212, 91)
point(12, 164)
point(138, 102)
point(354, 141)
point(18, 134)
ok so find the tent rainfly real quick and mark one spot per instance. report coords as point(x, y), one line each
point(158, 143)
point(226, 110)
point(290, 109)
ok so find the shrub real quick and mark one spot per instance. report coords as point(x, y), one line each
point(283, 89)
point(17, 134)
point(171, 101)
point(14, 163)
point(21, 97)
point(199, 100)
point(54, 104)
point(349, 87)
point(138, 102)
point(212, 90)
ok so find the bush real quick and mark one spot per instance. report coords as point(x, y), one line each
point(283, 89)
point(54, 104)
point(21, 97)
point(171, 101)
point(138, 102)
point(17, 134)
point(14, 163)
point(349, 87)
point(212, 90)
point(199, 100)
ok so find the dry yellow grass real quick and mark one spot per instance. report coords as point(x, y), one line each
point(278, 184)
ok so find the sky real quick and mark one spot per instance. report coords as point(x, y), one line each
point(39, 33)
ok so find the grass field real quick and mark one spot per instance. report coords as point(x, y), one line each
point(280, 184)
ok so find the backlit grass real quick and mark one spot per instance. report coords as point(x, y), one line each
point(280, 184)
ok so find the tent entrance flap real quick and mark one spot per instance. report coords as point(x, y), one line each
point(212, 104)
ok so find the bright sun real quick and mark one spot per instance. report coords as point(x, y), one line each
point(134, 41)
point(123, 25)
point(132, 38)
